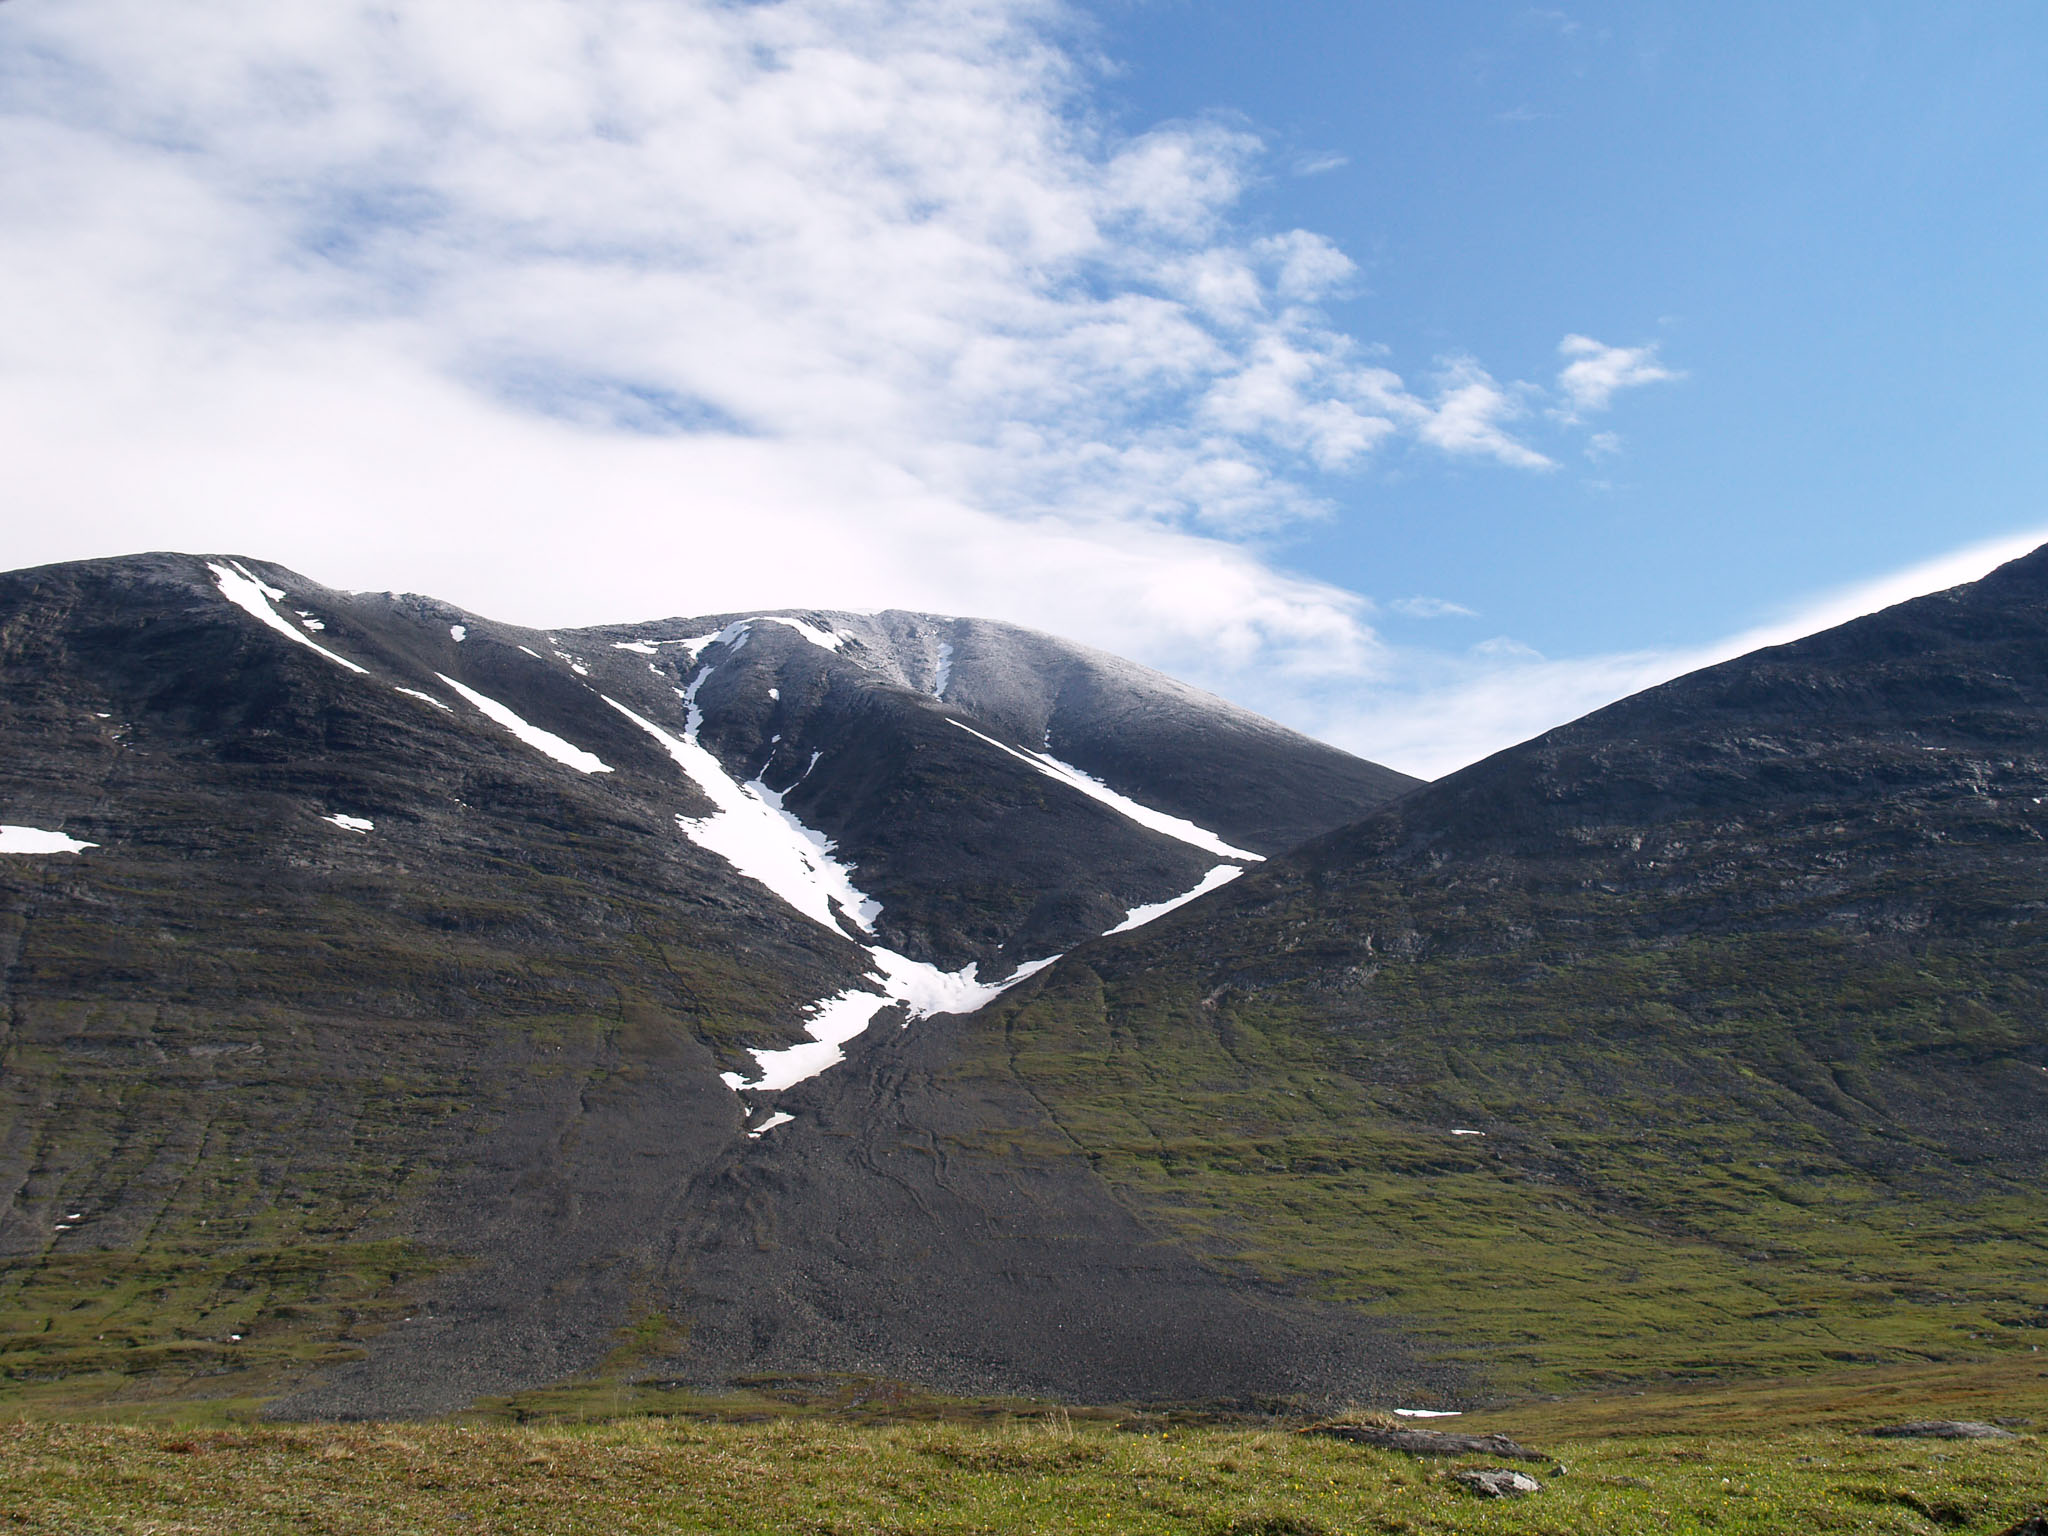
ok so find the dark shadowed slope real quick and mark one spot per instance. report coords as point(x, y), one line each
point(381, 1027)
point(1707, 1032)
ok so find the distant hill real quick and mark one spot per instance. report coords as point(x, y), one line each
point(1708, 1032)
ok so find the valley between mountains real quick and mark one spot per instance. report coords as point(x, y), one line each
point(406, 1011)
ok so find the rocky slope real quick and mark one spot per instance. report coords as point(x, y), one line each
point(424, 983)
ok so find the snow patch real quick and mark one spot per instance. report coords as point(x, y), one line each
point(824, 639)
point(35, 840)
point(1468, 1133)
point(919, 988)
point(536, 655)
point(458, 633)
point(545, 742)
point(414, 693)
point(254, 598)
point(313, 624)
point(749, 829)
point(637, 647)
point(352, 823)
point(778, 1118)
point(945, 678)
point(1156, 821)
point(697, 645)
point(1138, 917)
point(775, 694)
point(758, 836)
point(1428, 1413)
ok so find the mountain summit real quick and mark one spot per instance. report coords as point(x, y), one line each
point(387, 982)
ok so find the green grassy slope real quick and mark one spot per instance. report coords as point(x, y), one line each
point(1742, 981)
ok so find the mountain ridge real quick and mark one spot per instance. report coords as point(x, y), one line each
point(403, 999)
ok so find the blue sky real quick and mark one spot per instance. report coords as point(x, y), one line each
point(1421, 375)
point(1830, 216)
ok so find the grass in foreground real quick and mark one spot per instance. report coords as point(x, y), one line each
point(1791, 1457)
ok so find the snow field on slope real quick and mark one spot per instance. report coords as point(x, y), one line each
point(1138, 917)
point(759, 839)
point(545, 742)
point(1175, 827)
point(824, 639)
point(753, 832)
point(36, 840)
point(254, 598)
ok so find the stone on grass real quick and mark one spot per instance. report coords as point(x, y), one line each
point(2035, 1524)
point(1498, 1482)
point(1943, 1429)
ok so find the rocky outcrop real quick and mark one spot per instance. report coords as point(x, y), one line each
point(1426, 1442)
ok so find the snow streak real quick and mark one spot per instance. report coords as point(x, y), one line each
point(752, 831)
point(1155, 821)
point(254, 598)
point(36, 840)
point(545, 742)
point(1138, 917)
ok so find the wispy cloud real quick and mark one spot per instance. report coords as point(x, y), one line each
point(1431, 712)
point(1560, 21)
point(1320, 164)
point(1430, 608)
point(1470, 415)
point(1598, 372)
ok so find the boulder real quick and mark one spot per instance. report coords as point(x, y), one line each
point(1498, 1482)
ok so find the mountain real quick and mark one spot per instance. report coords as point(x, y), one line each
point(1706, 1033)
point(397, 1000)
point(384, 1052)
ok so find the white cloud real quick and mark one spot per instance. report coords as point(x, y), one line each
point(1597, 372)
point(569, 308)
point(1468, 415)
point(581, 310)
